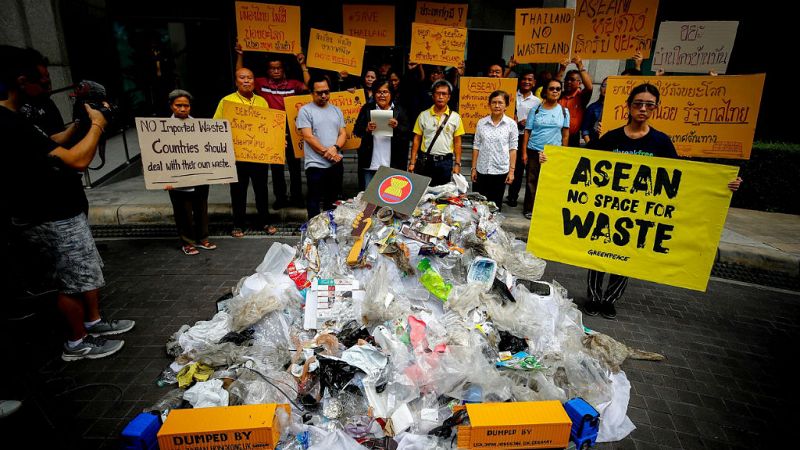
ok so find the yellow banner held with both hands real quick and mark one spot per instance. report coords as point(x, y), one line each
point(262, 27)
point(259, 134)
point(437, 44)
point(644, 217)
point(337, 52)
point(473, 100)
point(349, 102)
point(375, 23)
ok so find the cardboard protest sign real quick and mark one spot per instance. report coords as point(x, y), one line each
point(396, 189)
point(259, 134)
point(451, 14)
point(543, 34)
point(473, 100)
point(337, 52)
point(350, 104)
point(614, 30)
point(437, 44)
point(709, 116)
point(694, 47)
point(262, 27)
point(650, 218)
point(375, 23)
point(181, 153)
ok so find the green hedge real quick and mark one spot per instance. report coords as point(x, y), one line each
point(770, 178)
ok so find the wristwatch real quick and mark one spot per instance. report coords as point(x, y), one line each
point(337, 147)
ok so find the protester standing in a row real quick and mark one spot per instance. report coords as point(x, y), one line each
point(377, 151)
point(324, 134)
point(436, 149)
point(189, 204)
point(575, 98)
point(526, 101)
point(246, 171)
point(495, 150)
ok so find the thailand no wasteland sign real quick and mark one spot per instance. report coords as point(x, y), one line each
point(396, 189)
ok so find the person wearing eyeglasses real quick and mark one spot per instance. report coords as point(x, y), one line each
point(376, 151)
point(639, 138)
point(575, 98)
point(548, 124)
point(322, 126)
point(495, 150)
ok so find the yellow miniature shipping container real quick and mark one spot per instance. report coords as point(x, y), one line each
point(227, 427)
point(515, 425)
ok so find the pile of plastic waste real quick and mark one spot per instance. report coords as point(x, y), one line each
point(376, 346)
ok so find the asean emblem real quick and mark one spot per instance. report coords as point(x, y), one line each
point(395, 189)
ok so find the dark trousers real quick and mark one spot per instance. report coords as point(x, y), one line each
point(616, 286)
point(324, 186)
point(532, 179)
point(191, 213)
point(574, 140)
point(519, 174)
point(259, 173)
point(440, 171)
point(492, 187)
point(279, 178)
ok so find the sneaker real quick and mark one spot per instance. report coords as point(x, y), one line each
point(105, 328)
point(592, 307)
point(91, 348)
point(528, 215)
point(608, 310)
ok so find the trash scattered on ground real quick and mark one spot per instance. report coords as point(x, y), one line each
point(377, 329)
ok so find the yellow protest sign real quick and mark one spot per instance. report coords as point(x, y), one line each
point(437, 44)
point(473, 100)
point(451, 14)
point(259, 134)
point(375, 23)
point(543, 34)
point(650, 218)
point(706, 116)
point(262, 27)
point(614, 30)
point(337, 52)
point(350, 104)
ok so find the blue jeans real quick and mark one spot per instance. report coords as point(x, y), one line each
point(367, 176)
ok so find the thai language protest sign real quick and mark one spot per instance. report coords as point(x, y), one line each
point(694, 47)
point(181, 153)
point(651, 218)
point(614, 30)
point(374, 23)
point(262, 27)
point(337, 52)
point(451, 14)
point(349, 103)
point(259, 134)
point(543, 34)
point(705, 116)
point(437, 44)
point(473, 100)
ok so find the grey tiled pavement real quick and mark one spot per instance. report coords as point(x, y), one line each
point(728, 380)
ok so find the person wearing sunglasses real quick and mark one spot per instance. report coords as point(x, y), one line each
point(548, 124)
point(639, 138)
point(576, 98)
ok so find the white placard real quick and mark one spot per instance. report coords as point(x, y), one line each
point(694, 47)
point(381, 118)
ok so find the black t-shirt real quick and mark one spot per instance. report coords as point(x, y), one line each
point(44, 114)
point(654, 143)
point(38, 186)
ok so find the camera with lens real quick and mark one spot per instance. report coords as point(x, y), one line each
point(93, 94)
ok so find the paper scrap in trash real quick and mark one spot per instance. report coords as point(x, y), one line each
point(323, 298)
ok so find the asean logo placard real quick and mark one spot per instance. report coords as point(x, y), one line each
point(395, 189)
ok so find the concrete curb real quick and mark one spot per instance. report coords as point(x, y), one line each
point(161, 214)
point(768, 259)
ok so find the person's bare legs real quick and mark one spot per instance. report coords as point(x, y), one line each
point(72, 308)
point(91, 304)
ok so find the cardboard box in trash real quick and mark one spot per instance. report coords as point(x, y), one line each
point(515, 425)
point(234, 427)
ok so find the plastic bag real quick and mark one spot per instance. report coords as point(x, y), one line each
point(614, 423)
point(339, 440)
point(205, 332)
point(277, 258)
point(207, 394)
point(433, 281)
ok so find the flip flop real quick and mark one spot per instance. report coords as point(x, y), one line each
point(237, 233)
point(189, 250)
point(206, 245)
point(270, 230)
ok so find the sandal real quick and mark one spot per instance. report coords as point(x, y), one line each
point(237, 233)
point(270, 230)
point(189, 250)
point(206, 245)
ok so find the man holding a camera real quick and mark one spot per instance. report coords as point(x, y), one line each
point(47, 205)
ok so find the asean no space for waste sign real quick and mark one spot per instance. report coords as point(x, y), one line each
point(396, 189)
